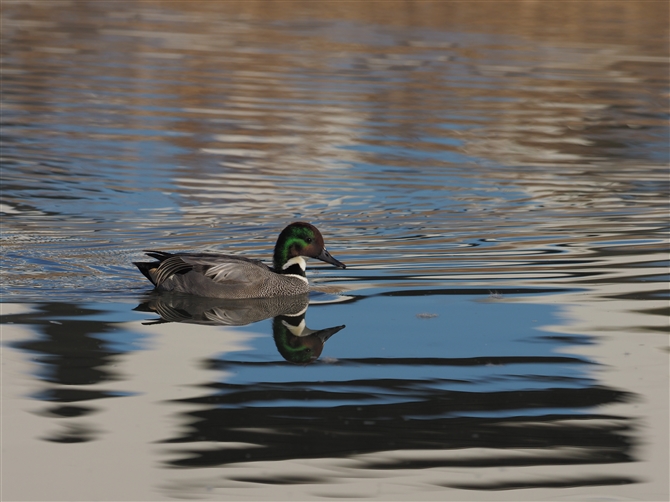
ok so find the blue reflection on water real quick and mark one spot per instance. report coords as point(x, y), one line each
point(386, 338)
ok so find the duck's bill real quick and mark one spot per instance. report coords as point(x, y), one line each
point(325, 256)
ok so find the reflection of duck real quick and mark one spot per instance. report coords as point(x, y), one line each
point(295, 341)
point(177, 307)
point(235, 277)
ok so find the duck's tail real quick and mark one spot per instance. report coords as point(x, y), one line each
point(147, 267)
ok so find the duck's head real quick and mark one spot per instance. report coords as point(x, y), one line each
point(297, 240)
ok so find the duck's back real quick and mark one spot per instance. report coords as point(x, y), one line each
point(219, 276)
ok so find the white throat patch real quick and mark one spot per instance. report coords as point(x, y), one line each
point(296, 259)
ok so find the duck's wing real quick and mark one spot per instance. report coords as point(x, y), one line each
point(168, 267)
point(217, 267)
point(227, 268)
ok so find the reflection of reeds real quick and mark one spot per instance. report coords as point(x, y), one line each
point(574, 22)
point(267, 109)
point(552, 426)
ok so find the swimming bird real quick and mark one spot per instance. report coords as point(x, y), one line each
point(236, 277)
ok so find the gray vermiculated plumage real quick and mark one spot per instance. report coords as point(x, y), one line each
point(218, 276)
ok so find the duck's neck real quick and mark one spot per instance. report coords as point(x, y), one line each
point(294, 266)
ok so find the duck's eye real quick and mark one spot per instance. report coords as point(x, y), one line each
point(308, 240)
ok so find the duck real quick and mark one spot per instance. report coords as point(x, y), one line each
point(236, 277)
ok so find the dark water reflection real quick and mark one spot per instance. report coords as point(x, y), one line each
point(545, 404)
point(532, 406)
point(494, 175)
point(569, 436)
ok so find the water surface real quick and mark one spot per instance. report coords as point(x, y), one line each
point(495, 179)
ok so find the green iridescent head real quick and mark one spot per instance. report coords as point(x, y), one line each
point(297, 240)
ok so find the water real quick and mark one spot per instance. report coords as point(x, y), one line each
point(495, 179)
